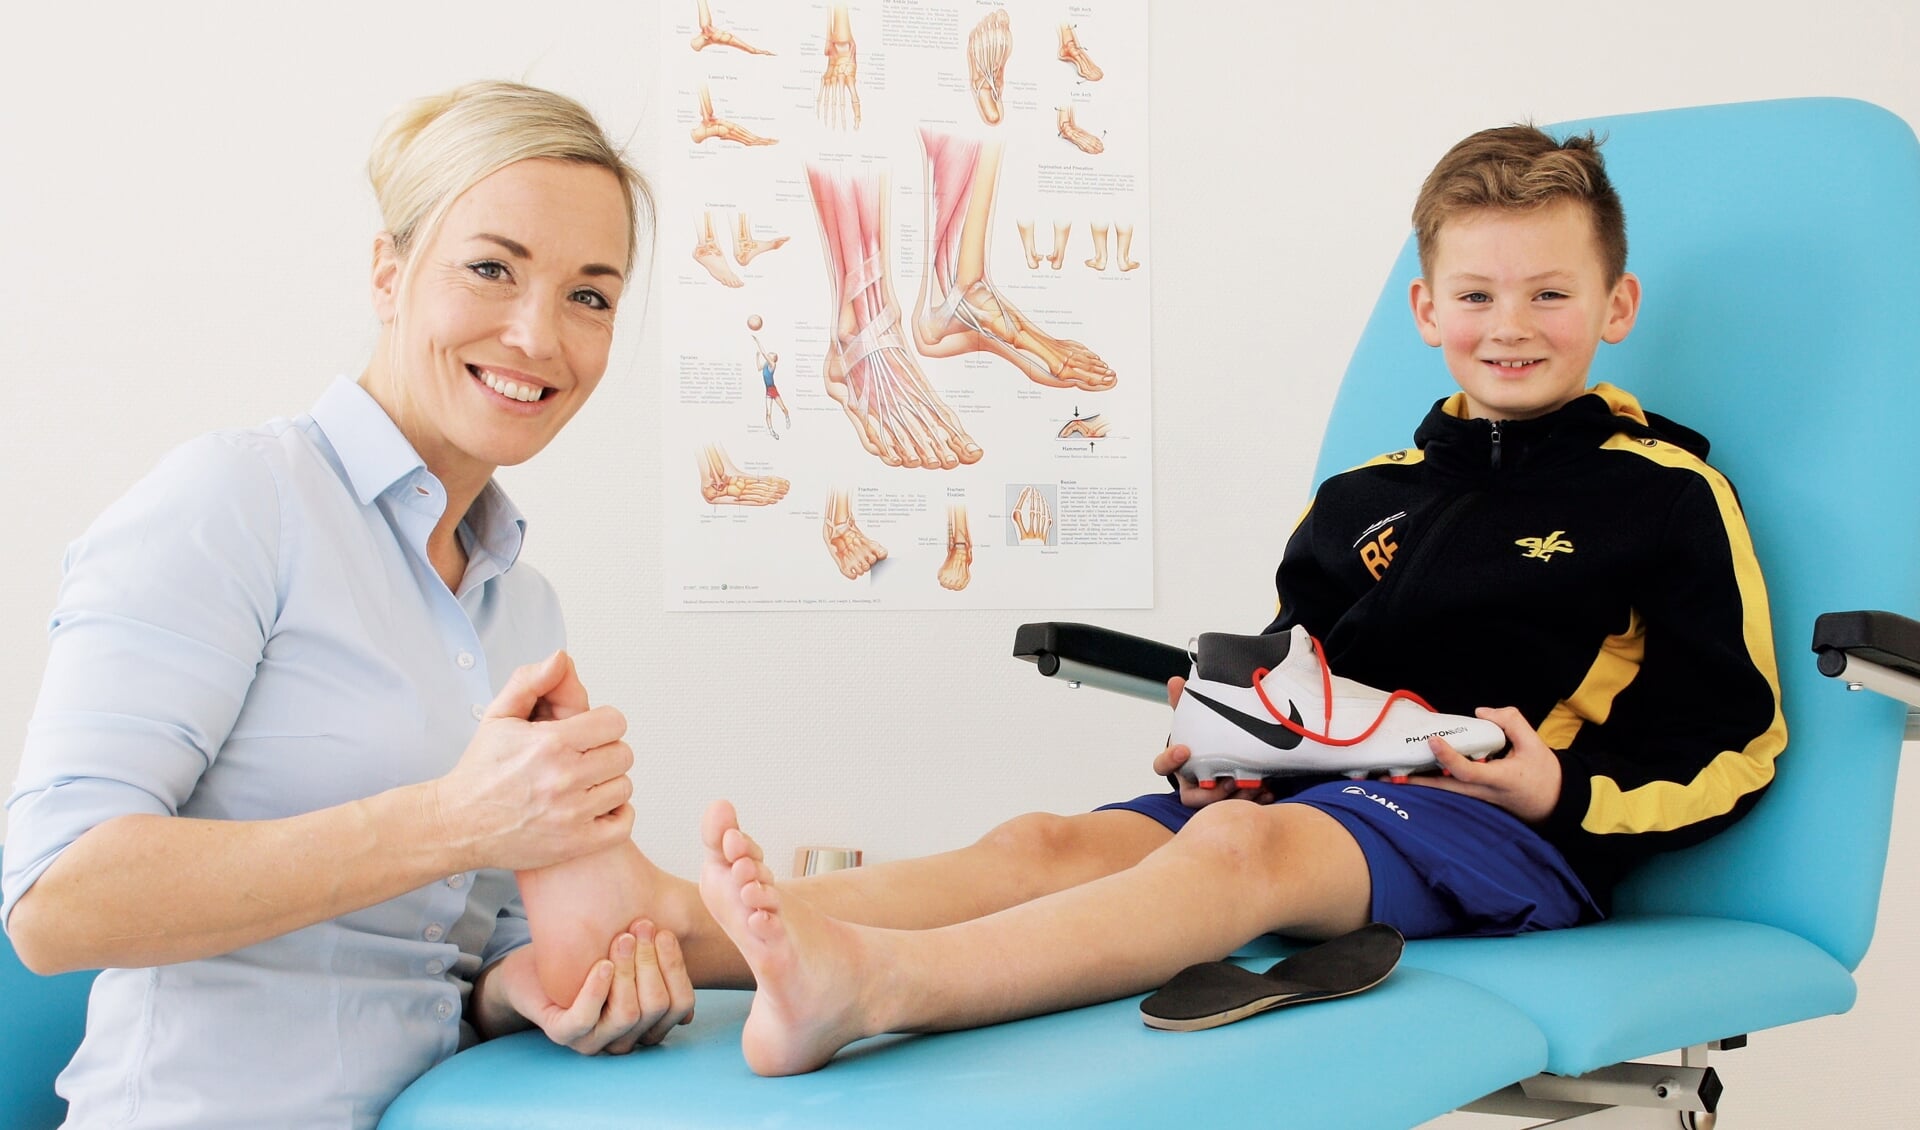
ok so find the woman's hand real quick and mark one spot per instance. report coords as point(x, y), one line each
point(1526, 782)
point(634, 998)
point(544, 779)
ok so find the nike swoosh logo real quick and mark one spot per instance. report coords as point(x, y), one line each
point(1272, 733)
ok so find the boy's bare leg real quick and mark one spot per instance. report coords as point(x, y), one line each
point(1236, 871)
point(959, 310)
point(576, 908)
point(869, 371)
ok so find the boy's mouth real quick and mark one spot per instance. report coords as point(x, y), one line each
point(515, 386)
point(1513, 367)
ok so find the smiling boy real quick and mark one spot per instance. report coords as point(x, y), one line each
point(1544, 546)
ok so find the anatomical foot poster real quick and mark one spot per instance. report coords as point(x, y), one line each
point(905, 259)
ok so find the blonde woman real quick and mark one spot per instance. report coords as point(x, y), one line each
point(305, 708)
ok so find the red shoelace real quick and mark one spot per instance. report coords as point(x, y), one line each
point(1326, 697)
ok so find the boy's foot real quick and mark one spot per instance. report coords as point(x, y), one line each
point(808, 969)
point(1266, 706)
point(577, 908)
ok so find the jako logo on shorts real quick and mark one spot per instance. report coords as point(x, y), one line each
point(1376, 798)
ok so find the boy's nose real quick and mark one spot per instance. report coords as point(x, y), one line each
point(1512, 324)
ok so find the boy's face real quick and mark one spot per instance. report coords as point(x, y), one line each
point(1518, 303)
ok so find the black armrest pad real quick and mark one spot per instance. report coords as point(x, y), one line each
point(1047, 644)
point(1886, 638)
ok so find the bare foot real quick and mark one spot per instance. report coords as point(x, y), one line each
point(978, 319)
point(988, 45)
point(721, 483)
point(746, 248)
point(1072, 52)
point(853, 553)
point(707, 253)
point(575, 910)
point(809, 970)
point(1081, 139)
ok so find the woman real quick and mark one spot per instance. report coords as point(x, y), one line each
point(283, 760)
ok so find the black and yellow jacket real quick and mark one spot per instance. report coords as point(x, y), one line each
point(1587, 567)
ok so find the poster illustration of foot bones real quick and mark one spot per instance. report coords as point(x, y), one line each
point(904, 276)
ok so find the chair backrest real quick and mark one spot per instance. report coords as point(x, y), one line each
point(1776, 243)
point(41, 1022)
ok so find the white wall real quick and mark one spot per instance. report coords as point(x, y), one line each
point(184, 234)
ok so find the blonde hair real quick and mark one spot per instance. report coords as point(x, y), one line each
point(434, 149)
point(1517, 169)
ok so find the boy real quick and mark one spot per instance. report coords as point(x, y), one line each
point(1552, 548)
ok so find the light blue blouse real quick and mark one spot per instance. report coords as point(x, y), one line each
point(254, 631)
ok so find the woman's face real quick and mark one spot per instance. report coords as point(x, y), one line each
point(506, 318)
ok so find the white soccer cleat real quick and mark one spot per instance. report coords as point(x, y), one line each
point(1266, 706)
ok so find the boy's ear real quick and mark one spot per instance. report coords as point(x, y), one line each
point(1420, 297)
point(1623, 306)
point(386, 278)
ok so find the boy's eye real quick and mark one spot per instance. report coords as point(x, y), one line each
point(1476, 296)
point(1552, 294)
point(493, 270)
point(592, 299)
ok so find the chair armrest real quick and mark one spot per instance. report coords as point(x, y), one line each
point(1876, 650)
point(1101, 657)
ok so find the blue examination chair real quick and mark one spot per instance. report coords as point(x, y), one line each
point(1775, 241)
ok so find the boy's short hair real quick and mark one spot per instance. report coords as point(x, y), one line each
point(1516, 169)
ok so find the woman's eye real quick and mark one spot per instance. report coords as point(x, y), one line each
point(490, 269)
point(592, 299)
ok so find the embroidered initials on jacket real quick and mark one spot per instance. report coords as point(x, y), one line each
point(1378, 553)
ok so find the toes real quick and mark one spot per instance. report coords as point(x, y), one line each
point(719, 819)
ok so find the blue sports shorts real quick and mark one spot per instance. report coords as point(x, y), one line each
point(1441, 864)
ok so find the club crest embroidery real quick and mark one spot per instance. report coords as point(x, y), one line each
point(1544, 548)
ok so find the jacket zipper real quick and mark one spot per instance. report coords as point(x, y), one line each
point(1496, 444)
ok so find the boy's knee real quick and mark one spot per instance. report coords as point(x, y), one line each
point(1243, 837)
point(1036, 835)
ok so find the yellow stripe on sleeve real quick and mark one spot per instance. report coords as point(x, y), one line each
point(1662, 806)
point(1615, 667)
